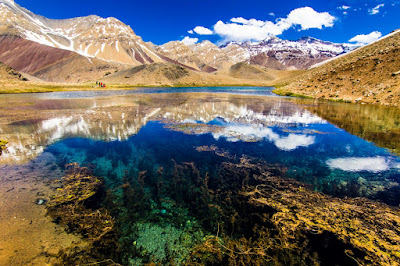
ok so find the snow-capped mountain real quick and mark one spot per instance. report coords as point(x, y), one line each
point(283, 54)
point(91, 36)
point(271, 53)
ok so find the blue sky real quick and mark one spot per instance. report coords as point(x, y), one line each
point(161, 21)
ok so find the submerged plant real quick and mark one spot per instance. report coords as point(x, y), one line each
point(77, 207)
point(282, 221)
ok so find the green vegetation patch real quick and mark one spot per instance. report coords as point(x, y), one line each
point(3, 144)
point(283, 92)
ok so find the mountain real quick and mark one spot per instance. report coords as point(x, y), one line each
point(246, 71)
point(272, 53)
point(91, 36)
point(369, 74)
point(52, 64)
point(285, 54)
point(90, 48)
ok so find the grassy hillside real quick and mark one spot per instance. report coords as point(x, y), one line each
point(370, 74)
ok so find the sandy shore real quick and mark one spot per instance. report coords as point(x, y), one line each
point(27, 235)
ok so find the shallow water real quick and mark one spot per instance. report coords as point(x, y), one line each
point(124, 133)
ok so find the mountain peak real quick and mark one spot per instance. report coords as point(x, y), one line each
point(7, 1)
point(307, 38)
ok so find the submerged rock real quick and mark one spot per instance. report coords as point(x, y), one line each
point(40, 201)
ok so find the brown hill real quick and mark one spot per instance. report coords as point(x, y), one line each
point(159, 74)
point(246, 71)
point(370, 74)
point(78, 69)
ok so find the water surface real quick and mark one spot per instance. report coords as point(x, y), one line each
point(125, 133)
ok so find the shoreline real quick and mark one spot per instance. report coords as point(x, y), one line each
point(77, 87)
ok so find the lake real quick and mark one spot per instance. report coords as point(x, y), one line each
point(191, 175)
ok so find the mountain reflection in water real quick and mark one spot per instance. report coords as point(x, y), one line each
point(273, 129)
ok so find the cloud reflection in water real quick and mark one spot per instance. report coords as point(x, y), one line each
point(358, 164)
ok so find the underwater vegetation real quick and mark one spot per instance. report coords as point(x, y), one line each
point(76, 206)
point(244, 212)
point(3, 144)
point(294, 219)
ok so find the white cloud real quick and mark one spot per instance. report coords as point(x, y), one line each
point(188, 41)
point(344, 7)
point(308, 18)
point(272, 14)
point(345, 13)
point(241, 29)
point(202, 30)
point(190, 32)
point(358, 164)
point(375, 10)
point(363, 39)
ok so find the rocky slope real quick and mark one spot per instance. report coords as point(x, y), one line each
point(370, 74)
